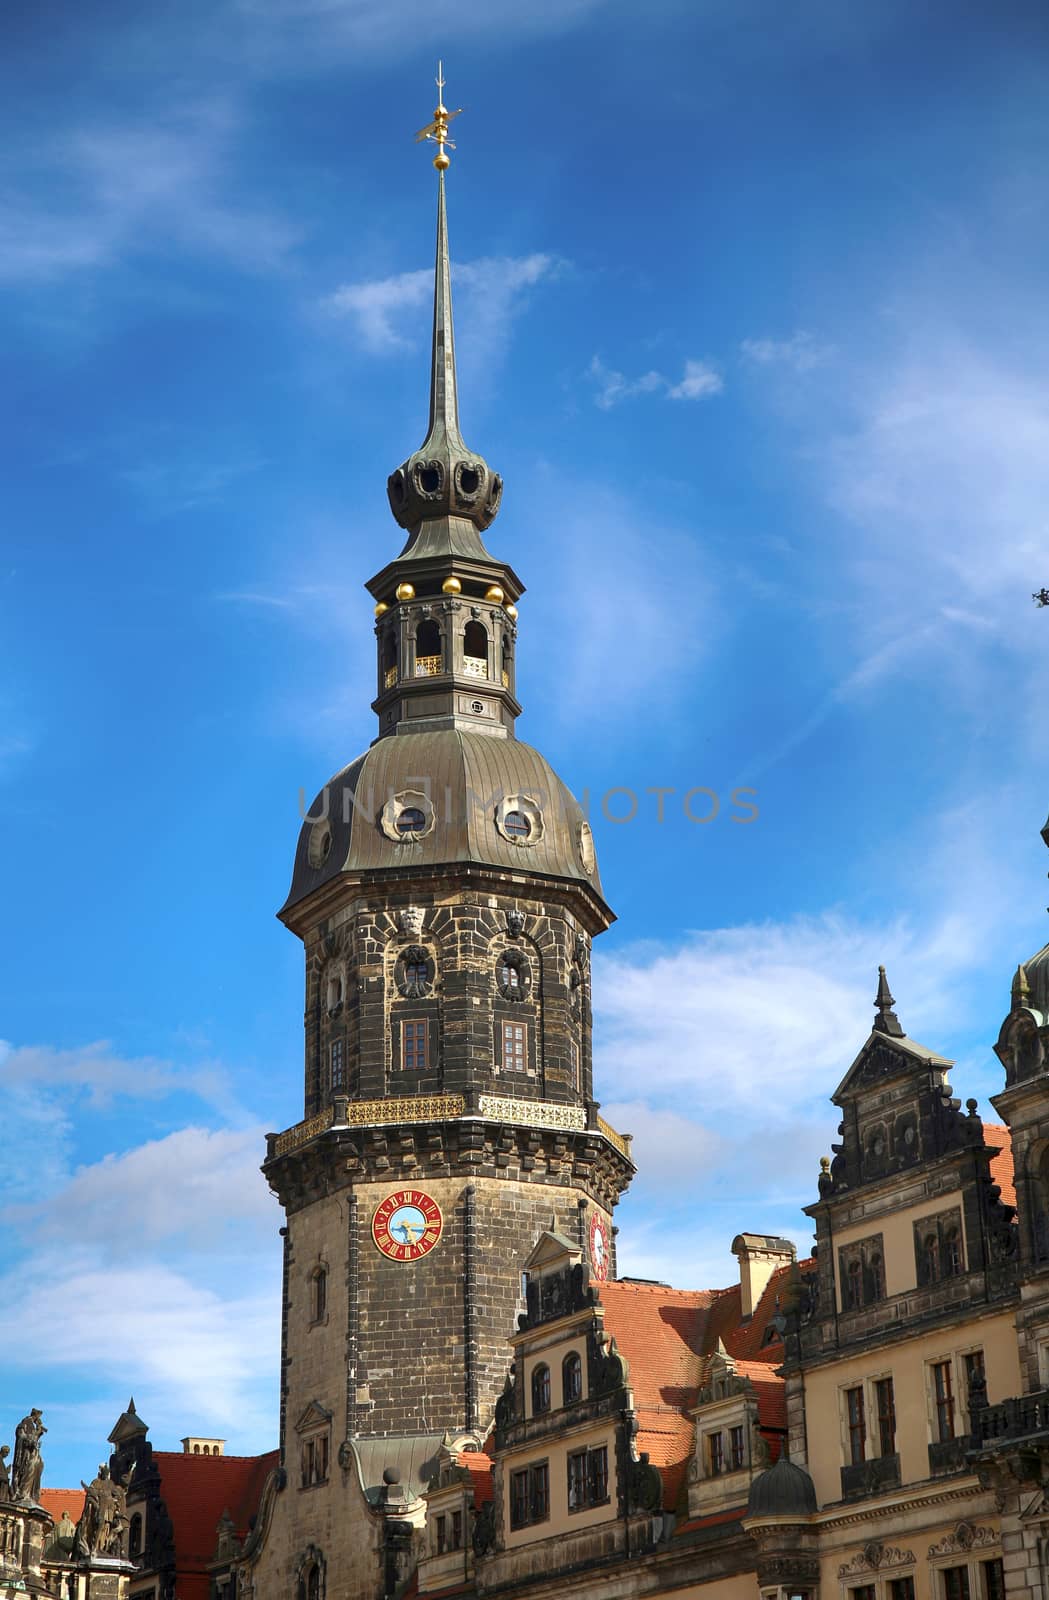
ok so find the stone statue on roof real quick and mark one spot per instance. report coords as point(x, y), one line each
point(103, 1521)
point(27, 1468)
point(5, 1476)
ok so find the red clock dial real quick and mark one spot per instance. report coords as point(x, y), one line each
point(407, 1225)
point(599, 1246)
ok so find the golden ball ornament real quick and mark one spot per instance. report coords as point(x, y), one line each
point(451, 586)
point(495, 595)
point(381, 609)
point(406, 591)
point(511, 612)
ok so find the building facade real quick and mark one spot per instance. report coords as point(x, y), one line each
point(472, 1402)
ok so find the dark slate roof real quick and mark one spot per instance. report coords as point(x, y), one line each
point(467, 774)
point(783, 1490)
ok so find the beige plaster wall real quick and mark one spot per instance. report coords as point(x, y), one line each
point(907, 1363)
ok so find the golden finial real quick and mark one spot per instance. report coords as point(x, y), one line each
point(436, 132)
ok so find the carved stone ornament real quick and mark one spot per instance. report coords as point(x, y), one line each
point(484, 1530)
point(413, 973)
point(515, 922)
point(407, 817)
point(410, 921)
point(966, 1536)
point(874, 1557)
point(587, 855)
point(512, 808)
point(513, 975)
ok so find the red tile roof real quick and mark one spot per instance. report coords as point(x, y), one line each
point(58, 1500)
point(197, 1490)
point(480, 1466)
point(662, 1334)
point(994, 1133)
point(665, 1335)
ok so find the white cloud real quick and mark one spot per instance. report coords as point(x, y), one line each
point(801, 352)
point(699, 380)
point(493, 292)
point(214, 1173)
point(612, 387)
point(170, 1254)
point(102, 1074)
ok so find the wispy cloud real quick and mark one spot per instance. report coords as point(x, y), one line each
point(107, 193)
point(612, 387)
point(494, 291)
point(801, 352)
point(197, 1280)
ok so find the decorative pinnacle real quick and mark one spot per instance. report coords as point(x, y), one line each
point(1021, 986)
point(436, 132)
point(886, 1021)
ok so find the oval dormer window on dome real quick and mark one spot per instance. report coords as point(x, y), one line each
point(519, 819)
point(319, 847)
point(407, 817)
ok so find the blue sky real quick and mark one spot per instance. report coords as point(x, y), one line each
point(751, 316)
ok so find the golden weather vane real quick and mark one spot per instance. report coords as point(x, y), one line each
point(436, 132)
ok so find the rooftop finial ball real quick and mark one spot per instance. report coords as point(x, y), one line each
point(452, 586)
point(495, 595)
point(381, 609)
point(442, 162)
point(511, 612)
point(406, 591)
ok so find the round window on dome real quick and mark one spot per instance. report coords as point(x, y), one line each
point(407, 817)
point(319, 847)
point(519, 819)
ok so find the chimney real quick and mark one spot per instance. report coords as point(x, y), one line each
point(759, 1255)
point(195, 1445)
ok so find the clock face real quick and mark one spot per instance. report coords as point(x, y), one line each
point(598, 1247)
point(407, 1225)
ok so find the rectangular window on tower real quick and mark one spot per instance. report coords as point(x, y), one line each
point(413, 1046)
point(515, 1046)
point(337, 1059)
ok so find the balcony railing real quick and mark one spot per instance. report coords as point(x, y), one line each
point(1023, 1418)
point(870, 1477)
point(948, 1455)
point(428, 666)
point(475, 666)
point(389, 677)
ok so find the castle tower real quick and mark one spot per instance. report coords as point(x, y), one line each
point(446, 893)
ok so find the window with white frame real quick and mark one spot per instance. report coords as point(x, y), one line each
point(868, 1419)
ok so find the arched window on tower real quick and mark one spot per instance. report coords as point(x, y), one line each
point(475, 650)
point(134, 1536)
point(428, 659)
point(952, 1253)
point(389, 659)
point(507, 661)
point(854, 1285)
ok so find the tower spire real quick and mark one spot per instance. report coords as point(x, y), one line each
point(444, 478)
point(444, 385)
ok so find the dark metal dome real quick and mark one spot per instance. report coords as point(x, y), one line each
point(783, 1490)
point(440, 798)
